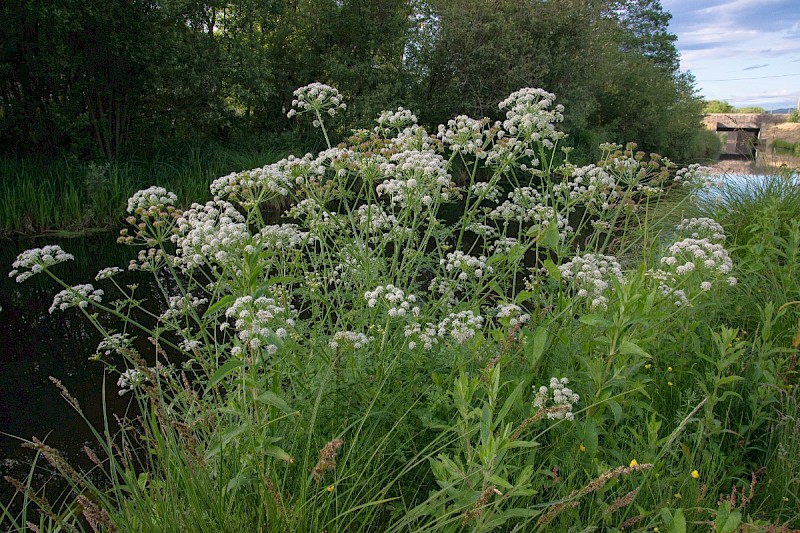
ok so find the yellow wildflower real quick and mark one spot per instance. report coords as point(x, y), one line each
point(634, 463)
point(648, 366)
point(669, 369)
point(329, 488)
point(695, 474)
point(582, 448)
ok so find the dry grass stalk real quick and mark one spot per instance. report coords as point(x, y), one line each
point(538, 416)
point(66, 395)
point(55, 459)
point(624, 501)
point(327, 459)
point(190, 442)
point(596, 484)
point(276, 496)
point(477, 508)
point(98, 519)
point(631, 521)
point(44, 506)
point(92, 456)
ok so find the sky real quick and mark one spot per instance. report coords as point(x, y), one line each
point(746, 52)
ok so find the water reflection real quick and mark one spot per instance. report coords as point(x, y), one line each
point(35, 345)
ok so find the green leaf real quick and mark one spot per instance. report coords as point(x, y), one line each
point(229, 366)
point(728, 379)
point(222, 303)
point(224, 440)
point(552, 269)
point(534, 345)
point(270, 398)
point(550, 238)
point(616, 409)
point(627, 347)
point(503, 517)
point(595, 321)
point(276, 452)
point(509, 403)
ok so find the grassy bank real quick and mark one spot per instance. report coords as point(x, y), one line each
point(41, 195)
point(584, 348)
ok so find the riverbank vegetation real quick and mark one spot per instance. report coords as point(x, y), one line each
point(99, 84)
point(454, 330)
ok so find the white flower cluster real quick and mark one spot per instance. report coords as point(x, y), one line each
point(397, 302)
point(591, 275)
point(129, 380)
point(259, 322)
point(530, 116)
point(379, 224)
point(352, 339)
point(702, 228)
point(281, 236)
point(107, 273)
point(484, 230)
point(299, 169)
point(114, 343)
point(251, 187)
point(179, 305)
point(464, 134)
point(590, 185)
point(209, 232)
point(560, 395)
point(694, 175)
point(484, 190)
point(152, 197)
point(464, 266)
point(460, 326)
point(523, 203)
point(504, 245)
point(418, 174)
point(78, 295)
point(412, 138)
point(318, 98)
point(315, 216)
point(513, 313)
point(398, 120)
point(688, 255)
point(35, 260)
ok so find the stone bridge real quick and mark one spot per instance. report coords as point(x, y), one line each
point(742, 131)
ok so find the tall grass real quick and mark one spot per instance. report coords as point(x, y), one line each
point(39, 195)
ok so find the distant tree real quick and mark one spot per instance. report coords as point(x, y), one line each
point(646, 32)
point(751, 109)
point(717, 106)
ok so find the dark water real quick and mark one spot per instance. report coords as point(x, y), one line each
point(35, 345)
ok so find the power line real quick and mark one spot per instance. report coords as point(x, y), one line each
point(759, 77)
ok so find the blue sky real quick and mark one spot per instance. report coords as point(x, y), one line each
point(746, 52)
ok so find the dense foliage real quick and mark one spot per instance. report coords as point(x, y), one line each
point(446, 332)
point(112, 77)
